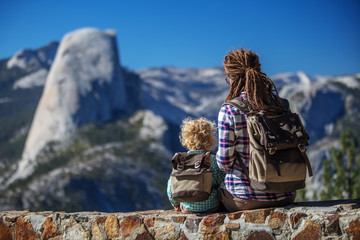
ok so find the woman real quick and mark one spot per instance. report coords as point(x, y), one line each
point(243, 73)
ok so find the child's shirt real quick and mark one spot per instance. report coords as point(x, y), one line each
point(214, 198)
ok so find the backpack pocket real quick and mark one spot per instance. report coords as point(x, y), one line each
point(283, 171)
point(191, 186)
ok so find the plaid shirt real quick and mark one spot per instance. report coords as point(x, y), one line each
point(213, 200)
point(232, 129)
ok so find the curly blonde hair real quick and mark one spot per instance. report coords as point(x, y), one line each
point(198, 134)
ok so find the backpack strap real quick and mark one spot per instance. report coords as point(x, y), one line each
point(205, 156)
point(240, 104)
point(242, 164)
point(180, 158)
point(176, 160)
point(307, 161)
point(285, 103)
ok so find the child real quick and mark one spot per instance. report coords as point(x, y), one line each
point(198, 136)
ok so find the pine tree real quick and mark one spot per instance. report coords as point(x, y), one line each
point(341, 178)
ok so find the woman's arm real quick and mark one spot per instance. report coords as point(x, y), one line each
point(225, 154)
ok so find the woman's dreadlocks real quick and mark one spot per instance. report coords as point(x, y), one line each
point(244, 69)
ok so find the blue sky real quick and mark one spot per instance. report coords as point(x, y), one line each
point(317, 37)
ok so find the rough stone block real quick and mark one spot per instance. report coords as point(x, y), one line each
point(5, 232)
point(295, 217)
point(149, 223)
point(98, 231)
point(10, 219)
point(232, 226)
point(74, 230)
point(55, 238)
point(212, 223)
point(144, 236)
point(112, 227)
point(192, 224)
point(332, 226)
point(235, 215)
point(179, 219)
point(49, 228)
point(224, 235)
point(163, 229)
point(263, 235)
point(354, 229)
point(310, 231)
point(128, 224)
point(277, 220)
point(24, 230)
point(100, 220)
point(183, 236)
point(256, 216)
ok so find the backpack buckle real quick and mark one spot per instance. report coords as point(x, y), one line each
point(180, 166)
point(272, 151)
point(301, 148)
point(197, 165)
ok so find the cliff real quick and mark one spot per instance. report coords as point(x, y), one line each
point(84, 84)
point(311, 220)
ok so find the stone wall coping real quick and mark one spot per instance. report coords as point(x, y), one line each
point(302, 220)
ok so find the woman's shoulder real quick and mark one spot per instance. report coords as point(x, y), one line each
point(230, 110)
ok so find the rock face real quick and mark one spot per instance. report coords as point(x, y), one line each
point(41, 58)
point(175, 93)
point(84, 84)
point(317, 100)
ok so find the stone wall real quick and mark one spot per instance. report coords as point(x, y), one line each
point(312, 220)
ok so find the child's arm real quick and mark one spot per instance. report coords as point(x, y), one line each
point(218, 175)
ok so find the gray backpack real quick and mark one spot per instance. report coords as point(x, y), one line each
point(278, 159)
point(191, 176)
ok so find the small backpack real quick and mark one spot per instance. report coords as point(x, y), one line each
point(278, 159)
point(191, 176)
